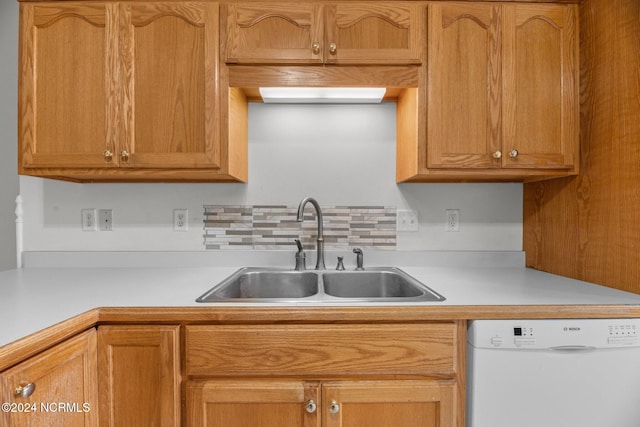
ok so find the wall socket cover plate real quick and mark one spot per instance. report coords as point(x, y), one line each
point(452, 220)
point(180, 219)
point(105, 220)
point(407, 220)
point(89, 220)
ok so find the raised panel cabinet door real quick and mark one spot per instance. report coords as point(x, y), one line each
point(169, 75)
point(64, 381)
point(273, 33)
point(541, 102)
point(406, 403)
point(374, 33)
point(139, 375)
point(254, 403)
point(67, 85)
point(464, 86)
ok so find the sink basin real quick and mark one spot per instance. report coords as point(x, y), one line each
point(374, 284)
point(260, 283)
point(253, 284)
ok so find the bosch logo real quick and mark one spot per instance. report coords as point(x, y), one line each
point(571, 329)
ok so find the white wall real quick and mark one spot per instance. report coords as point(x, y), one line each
point(337, 154)
point(8, 130)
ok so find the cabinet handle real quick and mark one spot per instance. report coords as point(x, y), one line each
point(334, 408)
point(333, 48)
point(497, 155)
point(25, 389)
point(311, 407)
point(124, 155)
point(315, 48)
point(108, 155)
point(513, 153)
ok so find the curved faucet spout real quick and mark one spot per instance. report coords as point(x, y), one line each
point(320, 238)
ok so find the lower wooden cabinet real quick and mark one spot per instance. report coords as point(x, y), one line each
point(325, 375)
point(56, 388)
point(295, 403)
point(139, 375)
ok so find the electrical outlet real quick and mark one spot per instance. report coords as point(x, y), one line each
point(105, 219)
point(452, 220)
point(407, 220)
point(180, 219)
point(89, 222)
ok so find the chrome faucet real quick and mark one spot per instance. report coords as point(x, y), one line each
point(320, 238)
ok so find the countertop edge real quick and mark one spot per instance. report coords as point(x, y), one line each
point(21, 349)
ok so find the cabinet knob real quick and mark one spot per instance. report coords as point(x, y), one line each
point(311, 407)
point(333, 48)
point(513, 153)
point(497, 155)
point(25, 389)
point(124, 155)
point(108, 155)
point(334, 408)
point(315, 48)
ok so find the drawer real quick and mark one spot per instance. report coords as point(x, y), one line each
point(414, 349)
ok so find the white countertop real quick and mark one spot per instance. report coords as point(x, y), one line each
point(35, 298)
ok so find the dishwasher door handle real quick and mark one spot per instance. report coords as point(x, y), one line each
point(572, 348)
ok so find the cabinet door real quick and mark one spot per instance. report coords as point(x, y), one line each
point(139, 375)
point(541, 105)
point(169, 60)
point(283, 33)
point(406, 403)
point(464, 86)
point(374, 33)
point(68, 94)
point(65, 393)
point(259, 403)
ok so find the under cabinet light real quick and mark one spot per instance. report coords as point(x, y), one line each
point(322, 95)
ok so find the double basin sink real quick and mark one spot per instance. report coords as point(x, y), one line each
point(384, 284)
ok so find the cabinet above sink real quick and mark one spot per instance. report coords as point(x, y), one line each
point(484, 91)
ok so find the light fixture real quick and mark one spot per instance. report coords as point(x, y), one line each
point(322, 95)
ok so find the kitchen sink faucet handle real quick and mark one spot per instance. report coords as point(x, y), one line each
point(301, 257)
point(359, 258)
point(340, 266)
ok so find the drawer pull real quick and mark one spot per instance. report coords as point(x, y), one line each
point(311, 406)
point(25, 389)
point(334, 408)
point(108, 155)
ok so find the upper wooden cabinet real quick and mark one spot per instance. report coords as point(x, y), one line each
point(169, 61)
point(502, 93)
point(67, 83)
point(112, 91)
point(340, 33)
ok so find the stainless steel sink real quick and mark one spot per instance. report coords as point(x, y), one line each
point(376, 283)
point(260, 283)
point(386, 284)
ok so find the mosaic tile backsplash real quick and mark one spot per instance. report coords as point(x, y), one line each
point(230, 227)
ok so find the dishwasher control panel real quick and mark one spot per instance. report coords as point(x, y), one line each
point(555, 333)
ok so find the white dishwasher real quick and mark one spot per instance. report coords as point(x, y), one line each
point(553, 373)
